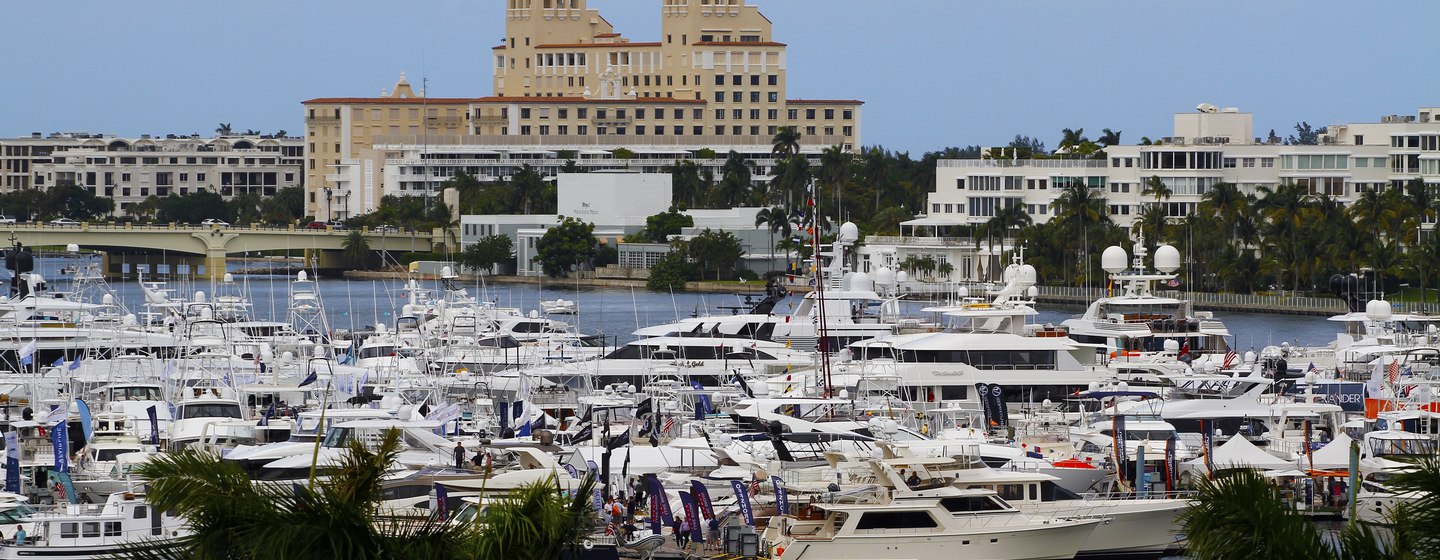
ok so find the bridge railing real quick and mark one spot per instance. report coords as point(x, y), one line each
point(131, 226)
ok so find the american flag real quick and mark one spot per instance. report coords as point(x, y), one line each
point(669, 424)
point(610, 528)
point(1230, 358)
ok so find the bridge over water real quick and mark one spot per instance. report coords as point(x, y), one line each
point(204, 248)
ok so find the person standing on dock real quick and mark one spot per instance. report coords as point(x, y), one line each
point(459, 455)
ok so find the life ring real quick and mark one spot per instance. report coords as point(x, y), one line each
point(587, 544)
point(779, 551)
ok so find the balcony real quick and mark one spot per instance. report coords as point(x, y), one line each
point(915, 241)
point(559, 142)
point(1034, 163)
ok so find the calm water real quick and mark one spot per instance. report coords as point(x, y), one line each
point(353, 304)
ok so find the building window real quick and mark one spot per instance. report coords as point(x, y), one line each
point(639, 113)
point(719, 130)
point(809, 114)
point(794, 114)
point(737, 80)
point(737, 114)
point(754, 97)
point(719, 114)
point(737, 96)
point(774, 80)
point(719, 97)
point(847, 131)
point(719, 79)
point(755, 114)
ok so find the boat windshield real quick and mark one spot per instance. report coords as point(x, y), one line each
point(1381, 446)
point(209, 410)
point(15, 512)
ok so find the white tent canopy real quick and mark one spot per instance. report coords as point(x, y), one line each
point(1334, 456)
point(1239, 453)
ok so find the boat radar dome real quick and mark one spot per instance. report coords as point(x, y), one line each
point(302, 276)
point(902, 276)
point(1113, 260)
point(1378, 310)
point(861, 282)
point(107, 299)
point(963, 292)
point(849, 233)
point(229, 278)
point(1171, 345)
point(1028, 274)
point(1167, 259)
point(884, 276)
point(446, 272)
point(73, 248)
point(200, 297)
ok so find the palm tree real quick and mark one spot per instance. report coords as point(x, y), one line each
point(1241, 514)
point(787, 142)
point(231, 516)
point(792, 176)
point(685, 176)
point(1080, 206)
point(1156, 188)
point(356, 247)
point(541, 521)
point(735, 178)
point(1070, 139)
point(1109, 138)
point(1005, 220)
point(835, 170)
point(775, 219)
point(1154, 222)
point(1284, 208)
point(223, 129)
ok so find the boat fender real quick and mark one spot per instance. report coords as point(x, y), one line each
point(587, 544)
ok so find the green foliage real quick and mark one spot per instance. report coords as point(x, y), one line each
point(412, 256)
point(1241, 515)
point(566, 246)
point(287, 206)
point(659, 227)
point(193, 208)
point(715, 250)
point(623, 153)
point(356, 248)
point(489, 251)
point(64, 200)
point(1305, 135)
point(338, 516)
point(671, 272)
point(705, 153)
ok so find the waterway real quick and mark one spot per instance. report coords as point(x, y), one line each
point(356, 304)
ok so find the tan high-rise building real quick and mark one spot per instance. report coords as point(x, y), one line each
point(564, 79)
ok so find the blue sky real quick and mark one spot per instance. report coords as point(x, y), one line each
point(933, 73)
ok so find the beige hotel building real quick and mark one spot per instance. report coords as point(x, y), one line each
point(567, 84)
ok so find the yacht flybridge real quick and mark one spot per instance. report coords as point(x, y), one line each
point(1132, 319)
point(855, 306)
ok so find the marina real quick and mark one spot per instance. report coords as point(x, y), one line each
point(977, 418)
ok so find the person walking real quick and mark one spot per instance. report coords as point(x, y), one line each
point(684, 533)
point(459, 455)
point(675, 528)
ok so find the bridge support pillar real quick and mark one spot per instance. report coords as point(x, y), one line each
point(215, 242)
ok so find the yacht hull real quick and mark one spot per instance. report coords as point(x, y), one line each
point(1059, 539)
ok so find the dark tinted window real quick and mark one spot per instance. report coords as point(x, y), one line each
point(897, 520)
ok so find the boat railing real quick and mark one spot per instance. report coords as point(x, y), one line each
point(1165, 495)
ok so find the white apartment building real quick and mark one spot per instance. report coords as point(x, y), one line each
point(1206, 148)
point(128, 170)
point(1209, 146)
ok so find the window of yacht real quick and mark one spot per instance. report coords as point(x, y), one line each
point(69, 530)
point(112, 528)
point(209, 410)
point(1401, 446)
point(963, 504)
point(90, 529)
point(912, 519)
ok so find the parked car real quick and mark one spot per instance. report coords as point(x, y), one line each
point(386, 228)
point(317, 225)
point(64, 222)
point(7, 219)
point(212, 222)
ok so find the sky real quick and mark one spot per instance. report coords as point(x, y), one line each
point(932, 73)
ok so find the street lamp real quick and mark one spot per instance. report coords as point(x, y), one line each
point(329, 210)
